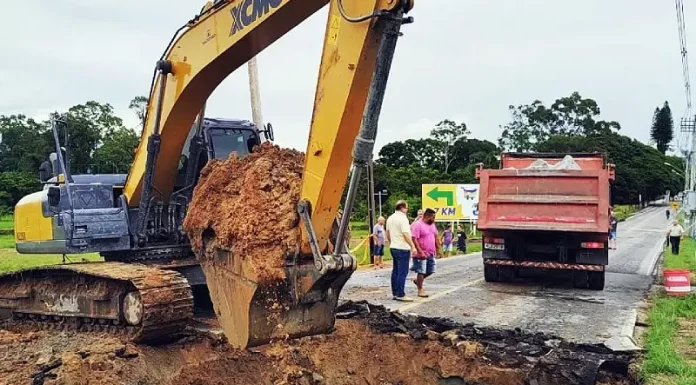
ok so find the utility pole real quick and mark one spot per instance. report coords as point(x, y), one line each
point(371, 206)
point(380, 194)
point(255, 93)
point(688, 125)
point(692, 159)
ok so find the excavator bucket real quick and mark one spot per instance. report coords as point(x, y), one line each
point(252, 311)
point(244, 223)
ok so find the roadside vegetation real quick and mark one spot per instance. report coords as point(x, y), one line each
point(6, 224)
point(10, 260)
point(670, 341)
point(686, 258)
point(623, 212)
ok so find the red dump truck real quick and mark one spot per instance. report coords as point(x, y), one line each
point(546, 211)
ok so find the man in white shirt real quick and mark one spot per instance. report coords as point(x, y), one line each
point(401, 247)
point(675, 232)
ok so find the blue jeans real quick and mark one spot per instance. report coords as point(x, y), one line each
point(400, 259)
point(378, 251)
point(424, 266)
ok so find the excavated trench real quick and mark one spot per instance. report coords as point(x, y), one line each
point(369, 345)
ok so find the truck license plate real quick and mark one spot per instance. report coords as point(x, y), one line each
point(494, 246)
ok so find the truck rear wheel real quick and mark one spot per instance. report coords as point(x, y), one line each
point(580, 279)
point(506, 273)
point(491, 272)
point(596, 280)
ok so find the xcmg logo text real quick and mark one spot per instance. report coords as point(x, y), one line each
point(248, 11)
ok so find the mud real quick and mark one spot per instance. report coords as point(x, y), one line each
point(248, 206)
point(368, 346)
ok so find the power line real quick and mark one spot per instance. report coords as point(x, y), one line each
point(684, 56)
point(687, 123)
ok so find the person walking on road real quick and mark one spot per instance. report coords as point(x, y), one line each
point(378, 238)
point(427, 242)
point(401, 247)
point(668, 213)
point(674, 234)
point(613, 224)
point(447, 241)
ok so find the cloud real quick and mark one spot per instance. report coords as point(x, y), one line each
point(465, 61)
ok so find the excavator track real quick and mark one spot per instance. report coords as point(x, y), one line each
point(143, 303)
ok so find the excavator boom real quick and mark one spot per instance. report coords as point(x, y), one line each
point(224, 37)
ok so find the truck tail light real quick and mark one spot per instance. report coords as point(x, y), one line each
point(592, 245)
point(495, 241)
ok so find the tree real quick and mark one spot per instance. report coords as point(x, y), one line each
point(421, 152)
point(139, 106)
point(567, 116)
point(87, 125)
point(14, 185)
point(396, 154)
point(447, 133)
point(24, 144)
point(474, 151)
point(116, 154)
point(662, 130)
point(640, 169)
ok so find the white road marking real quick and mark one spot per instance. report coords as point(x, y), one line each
point(436, 296)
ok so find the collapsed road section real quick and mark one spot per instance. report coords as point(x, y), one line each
point(369, 345)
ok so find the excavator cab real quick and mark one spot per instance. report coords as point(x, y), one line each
point(217, 139)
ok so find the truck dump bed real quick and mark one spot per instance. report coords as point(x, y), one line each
point(546, 192)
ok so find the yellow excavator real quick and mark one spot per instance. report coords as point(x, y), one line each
point(150, 282)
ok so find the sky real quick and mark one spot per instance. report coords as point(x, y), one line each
point(463, 60)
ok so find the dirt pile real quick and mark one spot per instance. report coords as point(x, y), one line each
point(369, 346)
point(248, 206)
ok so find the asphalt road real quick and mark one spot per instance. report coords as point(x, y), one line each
point(458, 291)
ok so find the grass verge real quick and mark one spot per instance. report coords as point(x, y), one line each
point(686, 258)
point(10, 260)
point(623, 212)
point(670, 342)
point(7, 241)
point(6, 224)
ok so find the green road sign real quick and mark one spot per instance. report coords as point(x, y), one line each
point(436, 195)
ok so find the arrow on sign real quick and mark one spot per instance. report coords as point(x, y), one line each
point(436, 195)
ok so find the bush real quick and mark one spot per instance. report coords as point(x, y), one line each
point(13, 186)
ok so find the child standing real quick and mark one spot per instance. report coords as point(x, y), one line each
point(461, 239)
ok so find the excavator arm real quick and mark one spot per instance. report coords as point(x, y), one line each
point(223, 37)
